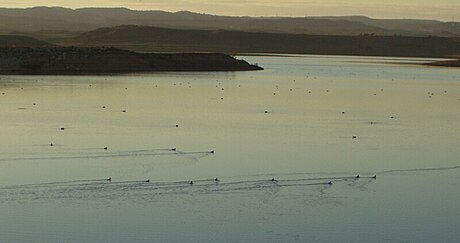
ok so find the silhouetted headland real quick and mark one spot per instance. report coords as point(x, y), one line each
point(101, 60)
point(449, 63)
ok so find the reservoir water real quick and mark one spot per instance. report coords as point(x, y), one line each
point(304, 121)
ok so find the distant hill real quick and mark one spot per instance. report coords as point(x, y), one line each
point(21, 41)
point(41, 21)
point(143, 38)
point(408, 27)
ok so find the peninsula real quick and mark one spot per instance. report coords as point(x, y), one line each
point(448, 63)
point(106, 60)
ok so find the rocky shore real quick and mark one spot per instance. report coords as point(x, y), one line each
point(101, 60)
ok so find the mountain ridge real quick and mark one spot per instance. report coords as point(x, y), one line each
point(80, 20)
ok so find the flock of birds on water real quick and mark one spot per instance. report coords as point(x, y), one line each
point(108, 188)
point(217, 180)
point(430, 95)
point(275, 181)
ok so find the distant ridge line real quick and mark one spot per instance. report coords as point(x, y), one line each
point(36, 19)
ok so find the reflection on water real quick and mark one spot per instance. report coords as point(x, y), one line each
point(164, 138)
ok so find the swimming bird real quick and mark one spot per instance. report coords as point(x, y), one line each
point(212, 151)
point(274, 180)
point(357, 177)
point(374, 177)
point(105, 148)
point(147, 181)
point(216, 180)
point(109, 179)
point(173, 149)
point(330, 183)
point(191, 182)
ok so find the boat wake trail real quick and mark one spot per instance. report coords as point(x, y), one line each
point(420, 169)
point(121, 154)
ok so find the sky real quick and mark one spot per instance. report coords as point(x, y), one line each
point(423, 9)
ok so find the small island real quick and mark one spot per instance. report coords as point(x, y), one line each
point(107, 60)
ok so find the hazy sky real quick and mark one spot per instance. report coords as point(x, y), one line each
point(428, 9)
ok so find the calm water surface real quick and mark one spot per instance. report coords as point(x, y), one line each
point(294, 122)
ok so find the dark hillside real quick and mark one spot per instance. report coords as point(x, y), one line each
point(142, 38)
point(21, 41)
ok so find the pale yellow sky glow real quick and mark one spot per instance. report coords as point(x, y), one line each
point(426, 9)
